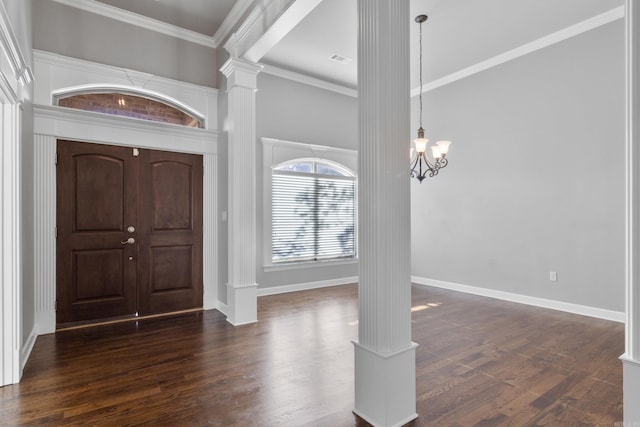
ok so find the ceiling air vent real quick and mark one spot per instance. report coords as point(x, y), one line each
point(340, 59)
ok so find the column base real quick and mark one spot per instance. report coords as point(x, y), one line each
point(631, 391)
point(242, 304)
point(385, 386)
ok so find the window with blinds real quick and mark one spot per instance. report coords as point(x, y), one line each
point(313, 212)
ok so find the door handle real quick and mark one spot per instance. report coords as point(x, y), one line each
point(129, 241)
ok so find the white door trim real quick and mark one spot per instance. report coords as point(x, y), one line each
point(52, 123)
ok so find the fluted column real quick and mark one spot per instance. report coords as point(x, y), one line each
point(631, 358)
point(384, 353)
point(10, 247)
point(242, 289)
point(44, 232)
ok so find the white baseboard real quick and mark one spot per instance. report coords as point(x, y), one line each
point(26, 349)
point(222, 308)
point(46, 322)
point(274, 290)
point(583, 310)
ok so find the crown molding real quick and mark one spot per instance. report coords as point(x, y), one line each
point(546, 41)
point(140, 21)
point(267, 23)
point(234, 16)
point(263, 14)
point(308, 80)
point(8, 43)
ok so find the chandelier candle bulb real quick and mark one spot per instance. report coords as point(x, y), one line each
point(435, 150)
point(421, 144)
point(443, 146)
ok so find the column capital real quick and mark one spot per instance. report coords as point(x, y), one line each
point(241, 73)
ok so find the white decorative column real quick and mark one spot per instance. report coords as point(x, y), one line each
point(631, 358)
point(210, 231)
point(44, 232)
point(242, 290)
point(10, 246)
point(385, 381)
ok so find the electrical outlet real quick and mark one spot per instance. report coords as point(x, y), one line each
point(553, 276)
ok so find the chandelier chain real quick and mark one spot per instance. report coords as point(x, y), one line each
point(420, 75)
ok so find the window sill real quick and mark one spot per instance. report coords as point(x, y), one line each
point(308, 264)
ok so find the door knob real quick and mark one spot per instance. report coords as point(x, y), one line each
point(129, 241)
point(131, 229)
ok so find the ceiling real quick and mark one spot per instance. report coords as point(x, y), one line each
point(200, 16)
point(458, 34)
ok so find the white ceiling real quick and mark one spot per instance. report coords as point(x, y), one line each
point(458, 34)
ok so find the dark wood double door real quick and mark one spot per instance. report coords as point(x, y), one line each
point(129, 232)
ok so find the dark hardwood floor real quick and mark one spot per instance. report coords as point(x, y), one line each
point(481, 362)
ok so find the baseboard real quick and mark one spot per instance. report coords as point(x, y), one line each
point(222, 307)
point(583, 310)
point(46, 322)
point(274, 290)
point(26, 349)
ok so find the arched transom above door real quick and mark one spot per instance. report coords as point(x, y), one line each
point(123, 104)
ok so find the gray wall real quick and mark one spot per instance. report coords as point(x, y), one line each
point(296, 112)
point(72, 32)
point(536, 179)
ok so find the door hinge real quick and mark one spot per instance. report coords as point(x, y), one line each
point(55, 159)
point(55, 305)
point(56, 232)
point(136, 152)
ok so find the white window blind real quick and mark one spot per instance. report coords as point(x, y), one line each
point(313, 214)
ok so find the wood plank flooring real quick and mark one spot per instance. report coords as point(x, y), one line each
point(481, 362)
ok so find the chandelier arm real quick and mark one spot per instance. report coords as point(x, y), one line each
point(429, 164)
point(415, 163)
point(424, 167)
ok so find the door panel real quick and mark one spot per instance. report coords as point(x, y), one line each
point(170, 275)
point(95, 204)
point(102, 191)
point(99, 177)
point(172, 199)
point(98, 274)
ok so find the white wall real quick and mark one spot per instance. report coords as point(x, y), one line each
point(297, 112)
point(536, 176)
point(73, 32)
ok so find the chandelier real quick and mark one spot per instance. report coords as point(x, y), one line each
point(421, 166)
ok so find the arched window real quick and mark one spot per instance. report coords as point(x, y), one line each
point(313, 211)
point(129, 105)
